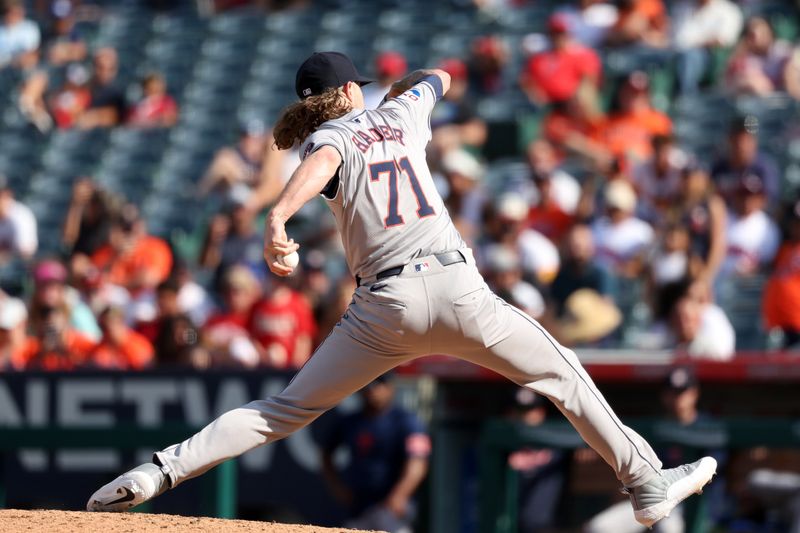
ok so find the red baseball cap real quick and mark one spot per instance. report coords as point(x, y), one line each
point(391, 64)
point(558, 23)
point(455, 67)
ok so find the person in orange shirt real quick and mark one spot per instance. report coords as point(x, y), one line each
point(132, 258)
point(643, 22)
point(54, 346)
point(781, 302)
point(628, 132)
point(120, 347)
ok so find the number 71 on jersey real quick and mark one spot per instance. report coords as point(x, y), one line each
point(394, 168)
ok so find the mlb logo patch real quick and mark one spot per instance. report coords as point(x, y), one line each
point(422, 267)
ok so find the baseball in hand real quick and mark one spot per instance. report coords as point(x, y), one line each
point(291, 260)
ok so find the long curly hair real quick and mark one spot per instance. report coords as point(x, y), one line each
point(301, 119)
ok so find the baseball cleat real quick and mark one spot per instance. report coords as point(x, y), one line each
point(129, 490)
point(660, 495)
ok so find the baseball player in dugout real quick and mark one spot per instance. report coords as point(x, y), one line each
point(418, 293)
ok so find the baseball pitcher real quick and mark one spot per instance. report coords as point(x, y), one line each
point(418, 293)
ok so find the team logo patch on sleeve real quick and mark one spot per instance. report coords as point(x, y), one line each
point(422, 267)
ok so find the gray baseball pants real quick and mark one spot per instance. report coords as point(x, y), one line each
point(428, 309)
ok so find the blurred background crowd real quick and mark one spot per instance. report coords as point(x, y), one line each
point(626, 171)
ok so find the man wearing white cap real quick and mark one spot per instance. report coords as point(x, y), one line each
point(621, 238)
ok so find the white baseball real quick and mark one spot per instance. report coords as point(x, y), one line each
point(291, 260)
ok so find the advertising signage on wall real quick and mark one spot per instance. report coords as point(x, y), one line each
point(153, 401)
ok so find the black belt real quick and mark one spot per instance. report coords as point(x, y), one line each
point(445, 259)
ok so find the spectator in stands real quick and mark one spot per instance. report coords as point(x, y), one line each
point(174, 336)
point(283, 327)
point(640, 23)
point(658, 178)
point(753, 237)
point(488, 58)
point(225, 333)
point(671, 260)
point(156, 109)
point(702, 213)
point(761, 64)
point(98, 293)
point(336, 306)
point(193, 299)
point(556, 193)
point(571, 127)
point(505, 223)
point(132, 258)
point(233, 238)
point(54, 345)
point(120, 348)
point(318, 287)
point(51, 291)
point(236, 171)
point(621, 238)
point(19, 37)
point(71, 100)
point(744, 158)
point(389, 452)
point(454, 120)
point(503, 273)
point(701, 27)
point(590, 21)
point(13, 321)
point(107, 107)
point(464, 196)
point(89, 217)
point(18, 231)
point(65, 44)
point(579, 271)
point(544, 163)
point(781, 305)
point(389, 67)
point(628, 131)
point(699, 327)
point(542, 472)
point(555, 75)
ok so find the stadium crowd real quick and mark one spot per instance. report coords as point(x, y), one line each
point(604, 198)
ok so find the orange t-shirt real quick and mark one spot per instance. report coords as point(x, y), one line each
point(135, 353)
point(149, 253)
point(782, 293)
point(76, 353)
point(630, 134)
point(651, 10)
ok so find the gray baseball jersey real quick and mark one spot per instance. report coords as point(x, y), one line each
point(390, 214)
point(383, 197)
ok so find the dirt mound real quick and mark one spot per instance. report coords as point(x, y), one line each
point(12, 521)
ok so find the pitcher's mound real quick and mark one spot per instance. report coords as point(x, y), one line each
point(12, 521)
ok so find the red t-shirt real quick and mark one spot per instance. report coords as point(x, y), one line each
point(558, 73)
point(277, 322)
point(782, 293)
point(152, 111)
point(549, 220)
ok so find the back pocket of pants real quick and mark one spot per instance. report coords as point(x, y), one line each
point(476, 313)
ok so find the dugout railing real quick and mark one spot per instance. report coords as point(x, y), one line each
point(499, 484)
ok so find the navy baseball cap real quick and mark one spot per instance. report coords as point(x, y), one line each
point(323, 71)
